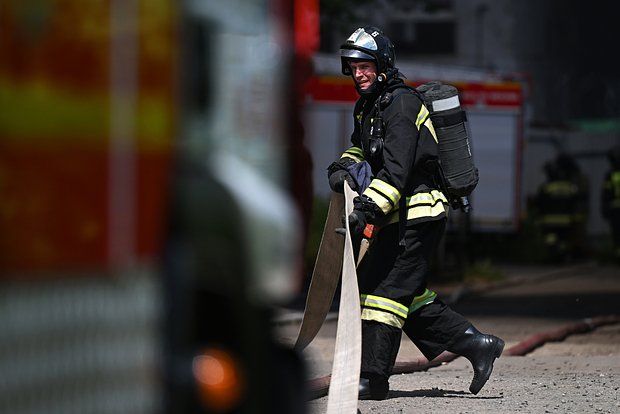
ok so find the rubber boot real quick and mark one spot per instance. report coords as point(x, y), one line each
point(373, 388)
point(481, 350)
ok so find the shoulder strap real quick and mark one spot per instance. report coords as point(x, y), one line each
point(402, 204)
point(405, 86)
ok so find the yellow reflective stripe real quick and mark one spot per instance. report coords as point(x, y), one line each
point(422, 115)
point(426, 198)
point(561, 218)
point(354, 152)
point(353, 157)
point(379, 199)
point(424, 299)
point(389, 190)
point(383, 317)
point(372, 301)
point(429, 124)
point(561, 188)
point(383, 194)
point(425, 211)
point(420, 205)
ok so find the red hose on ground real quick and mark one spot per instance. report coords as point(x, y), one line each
point(585, 325)
point(318, 387)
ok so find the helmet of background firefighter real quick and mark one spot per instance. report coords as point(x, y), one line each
point(562, 167)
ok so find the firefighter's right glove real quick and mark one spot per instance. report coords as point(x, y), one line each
point(357, 224)
point(337, 174)
point(365, 211)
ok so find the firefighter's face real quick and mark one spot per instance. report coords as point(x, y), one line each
point(364, 73)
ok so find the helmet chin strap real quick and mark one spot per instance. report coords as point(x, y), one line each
point(378, 84)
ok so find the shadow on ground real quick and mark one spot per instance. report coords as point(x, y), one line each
point(435, 392)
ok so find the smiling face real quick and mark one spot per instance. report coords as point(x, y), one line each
point(364, 73)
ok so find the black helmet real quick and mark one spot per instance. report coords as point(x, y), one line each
point(567, 163)
point(368, 43)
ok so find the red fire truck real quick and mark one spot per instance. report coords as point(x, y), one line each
point(146, 229)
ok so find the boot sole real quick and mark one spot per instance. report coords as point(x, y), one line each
point(367, 397)
point(497, 352)
point(370, 398)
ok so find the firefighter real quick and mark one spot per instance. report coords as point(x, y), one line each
point(561, 202)
point(610, 199)
point(394, 135)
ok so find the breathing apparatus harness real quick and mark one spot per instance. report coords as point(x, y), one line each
point(377, 132)
point(456, 174)
point(377, 137)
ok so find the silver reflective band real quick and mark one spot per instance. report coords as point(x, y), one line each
point(355, 54)
point(362, 39)
point(445, 104)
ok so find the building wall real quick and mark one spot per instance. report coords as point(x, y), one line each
point(562, 51)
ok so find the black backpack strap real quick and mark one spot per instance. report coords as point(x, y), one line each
point(402, 204)
point(384, 100)
point(403, 85)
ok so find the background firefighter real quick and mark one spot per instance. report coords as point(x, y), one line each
point(562, 208)
point(610, 199)
point(395, 136)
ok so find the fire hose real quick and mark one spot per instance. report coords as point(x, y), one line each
point(344, 380)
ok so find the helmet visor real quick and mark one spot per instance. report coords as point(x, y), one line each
point(362, 39)
point(355, 54)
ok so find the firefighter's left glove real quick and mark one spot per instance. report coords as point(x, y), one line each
point(337, 174)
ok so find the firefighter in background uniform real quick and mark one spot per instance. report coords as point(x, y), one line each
point(393, 274)
point(562, 207)
point(610, 198)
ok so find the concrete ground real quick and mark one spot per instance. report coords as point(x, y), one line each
point(578, 374)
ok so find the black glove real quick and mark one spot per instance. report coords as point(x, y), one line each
point(336, 181)
point(337, 173)
point(367, 207)
point(357, 224)
point(365, 211)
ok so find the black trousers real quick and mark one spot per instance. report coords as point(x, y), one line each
point(395, 275)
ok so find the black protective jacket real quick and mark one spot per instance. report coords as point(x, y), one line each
point(406, 164)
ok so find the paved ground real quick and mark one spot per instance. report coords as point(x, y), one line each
point(579, 374)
